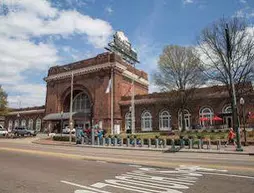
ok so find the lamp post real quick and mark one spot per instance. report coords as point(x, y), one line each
point(61, 123)
point(71, 102)
point(91, 122)
point(242, 103)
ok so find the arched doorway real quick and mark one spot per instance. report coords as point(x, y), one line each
point(81, 108)
point(227, 116)
point(187, 119)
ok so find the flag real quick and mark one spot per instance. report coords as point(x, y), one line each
point(109, 86)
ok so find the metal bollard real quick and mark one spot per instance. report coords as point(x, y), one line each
point(115, 141)
point(82, 140)
point(141, 142)
point(165, 143)
point(199, 144)
point(103, 141)
point(128, 142)
point(98, 141)
point(149, 143)
point(173, 147)
point(156, 143)
point(190, 143)
point(135, 142)
point(109, 141)
point(121, 142)
point(218, 144)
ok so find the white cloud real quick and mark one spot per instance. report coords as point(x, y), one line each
point(243, 1)
point(23, 24)
point(34, 92)
point(187, 2)
point(109, 10)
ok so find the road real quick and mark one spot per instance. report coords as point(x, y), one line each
point(32, 168)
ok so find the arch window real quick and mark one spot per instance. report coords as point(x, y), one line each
point(228, 109)
point(127, 121)
point(206, 113)
point(31, 124)
point(38, 124)
point(187, 119)
point(23, 123)
point(164, 122)
point(81, 103)
point(10, 124)
point(146, 121)
point(16, 123)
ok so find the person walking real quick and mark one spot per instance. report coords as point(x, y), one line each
point(231, 137)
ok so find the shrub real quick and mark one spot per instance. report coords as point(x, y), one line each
point(63, 138)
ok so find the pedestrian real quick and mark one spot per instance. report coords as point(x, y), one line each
point(231, 137)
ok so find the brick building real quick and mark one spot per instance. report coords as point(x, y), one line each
point(92, 104)
point(31, 118)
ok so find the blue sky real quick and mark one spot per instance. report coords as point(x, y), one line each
point(38, 34)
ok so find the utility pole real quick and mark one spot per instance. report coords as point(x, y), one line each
point(232, 84)
point(112, 100)
point(133, 104)
point(71, 103)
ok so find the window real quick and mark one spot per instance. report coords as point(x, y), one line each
point(228, 109)
point(81, 103)
point(16, 124)
point(187, 119)
point(127, 121)
point(10, 124)
point(31, 124)
point(38, 124)
point(23, 123)
point(206, 113)
point(164, 123)
point(146, 121)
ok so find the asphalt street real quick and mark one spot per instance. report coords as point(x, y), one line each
point(31, 168)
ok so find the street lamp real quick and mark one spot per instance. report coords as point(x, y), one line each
point(71, 101)
point(61, 123)
point(242, 102)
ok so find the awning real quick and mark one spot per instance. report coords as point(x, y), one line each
point(66, 116)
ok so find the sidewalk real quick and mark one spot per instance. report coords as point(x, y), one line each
point(247, 150)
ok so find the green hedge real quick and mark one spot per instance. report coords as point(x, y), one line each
point(64, 138)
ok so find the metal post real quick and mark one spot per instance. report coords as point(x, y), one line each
point(91, 123)
point(103, 141)
point(156, 143)
point(109, 141)
point(132, 106)
point(98, 141)
point(242, 102)
point(128, 142)
point(209, 144)
point(61, 123)
point(149, 143)
point(141, 142)
point(173, 148)
point(135, 142)
point(112, 100)
point(121, 142)
point(190, 143)
point(165, 143)
point(71, 103)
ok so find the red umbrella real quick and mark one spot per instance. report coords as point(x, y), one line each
point(252, 116)
point(203, 119)
point(216, 118)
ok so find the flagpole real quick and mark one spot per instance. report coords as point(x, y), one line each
point(133, 105)
point(112, 100)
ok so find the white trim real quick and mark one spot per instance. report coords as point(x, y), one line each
point(27, 112)
point(161, 116)
point(136, 78)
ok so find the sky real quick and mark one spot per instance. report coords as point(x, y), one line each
point(38, 34)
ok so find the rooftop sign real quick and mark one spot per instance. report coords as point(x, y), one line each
point(121, 46)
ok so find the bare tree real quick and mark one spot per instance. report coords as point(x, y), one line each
point(180, 70)
point(3, 102)
point(227, 52)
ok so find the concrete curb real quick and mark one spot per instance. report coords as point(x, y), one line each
point(164, 150)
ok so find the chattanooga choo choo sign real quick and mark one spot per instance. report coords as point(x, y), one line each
point(121, 46)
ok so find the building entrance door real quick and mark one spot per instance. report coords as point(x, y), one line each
point(228, 121)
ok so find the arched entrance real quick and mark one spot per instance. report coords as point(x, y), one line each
point(82, 109)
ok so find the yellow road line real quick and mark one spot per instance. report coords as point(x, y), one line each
point(135, 161)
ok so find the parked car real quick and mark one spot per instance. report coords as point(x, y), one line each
point(66, 130)
point(21, 131)
point(3, 132)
